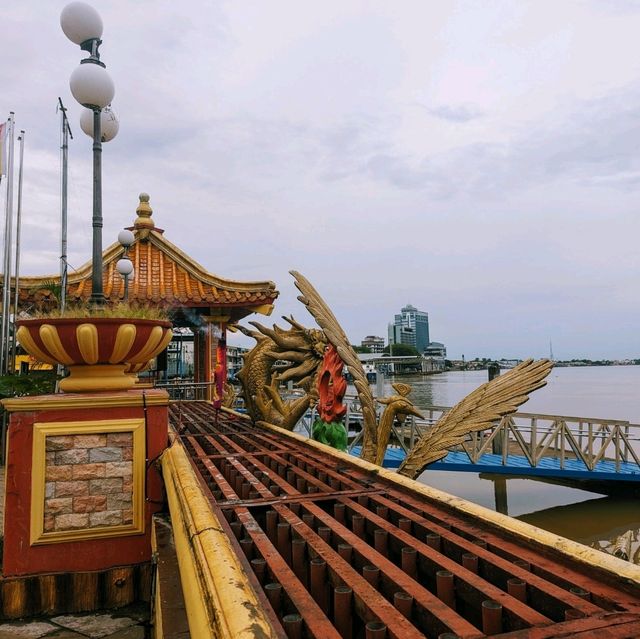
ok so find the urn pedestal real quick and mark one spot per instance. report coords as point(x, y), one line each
point(82, 482)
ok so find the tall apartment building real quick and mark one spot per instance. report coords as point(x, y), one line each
point(411, 327)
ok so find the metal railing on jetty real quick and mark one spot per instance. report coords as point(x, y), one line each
point(532, 436)
point(187, 390)
point(564, 438)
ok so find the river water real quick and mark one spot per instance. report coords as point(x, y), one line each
point(605, 392)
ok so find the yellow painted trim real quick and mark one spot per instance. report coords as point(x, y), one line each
point(219, 599)
point(48, 429)
point(244, 416)
point(24, 337)
point(199, 616)
point(87, 338)
point(51, 339)
point(158, 632)
point(125, 337)
point(263, 309)
point(66, 402)
point(158, 338)
point(572, 549)
point(96, 378)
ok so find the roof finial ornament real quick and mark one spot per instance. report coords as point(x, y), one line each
point(144, 223)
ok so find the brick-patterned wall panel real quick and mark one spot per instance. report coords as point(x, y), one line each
point(88, 481)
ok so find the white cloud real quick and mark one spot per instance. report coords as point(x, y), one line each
point(476, 160)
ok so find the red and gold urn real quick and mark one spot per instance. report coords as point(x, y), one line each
point(97, 350)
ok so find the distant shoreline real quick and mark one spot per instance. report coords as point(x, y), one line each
point(573, 363)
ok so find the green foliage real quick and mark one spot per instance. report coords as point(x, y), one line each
point(132, 311)
point(53, 286)
point(333, 434)
point(35, 383)
point(402, 349)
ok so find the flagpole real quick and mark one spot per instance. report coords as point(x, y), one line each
point(8, 227)
point(12, 361)
point(65, 133)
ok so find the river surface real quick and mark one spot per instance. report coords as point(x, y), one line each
point(605, 392)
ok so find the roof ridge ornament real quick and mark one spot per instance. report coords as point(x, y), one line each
point(144, 223)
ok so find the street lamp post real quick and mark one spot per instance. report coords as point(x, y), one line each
point(92, 87)
point(124, 266)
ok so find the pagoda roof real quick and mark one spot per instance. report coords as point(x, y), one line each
point(164, 276)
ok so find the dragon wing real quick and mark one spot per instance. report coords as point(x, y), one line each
point(329, 324)
point(477, 411)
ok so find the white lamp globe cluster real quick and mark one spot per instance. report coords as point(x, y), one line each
point(93, 88)
point(90, 83)
point(124, 266)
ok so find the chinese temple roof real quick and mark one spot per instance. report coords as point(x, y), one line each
point(164, 276)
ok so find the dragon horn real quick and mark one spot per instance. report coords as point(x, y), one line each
point(293, 322)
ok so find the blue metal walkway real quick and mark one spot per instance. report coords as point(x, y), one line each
point(519, 465)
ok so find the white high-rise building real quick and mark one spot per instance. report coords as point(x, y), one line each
point(411, 327)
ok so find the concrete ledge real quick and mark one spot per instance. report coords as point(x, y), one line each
point(65, 401)
point(169, 611)
point(219, 599)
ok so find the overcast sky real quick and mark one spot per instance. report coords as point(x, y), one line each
point(479, 160)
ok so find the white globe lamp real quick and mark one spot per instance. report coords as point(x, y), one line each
point(81, 22)
point(109, 124)
point(124, 267)
point(92, 86)
point(126, 238)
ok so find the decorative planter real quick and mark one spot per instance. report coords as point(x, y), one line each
point(97, 350)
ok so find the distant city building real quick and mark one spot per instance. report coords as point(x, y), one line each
point(235, 360)
point(436, 349)
point(373, 343)
point(401, 335)
point(179, 359)
point(410, 327)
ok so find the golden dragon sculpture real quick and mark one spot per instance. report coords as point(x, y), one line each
point(308, 354)
point(303, 349)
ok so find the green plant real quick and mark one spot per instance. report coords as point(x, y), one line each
point(333, 434)
point(35, 383)
point(123, 309)
point(52, 286)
